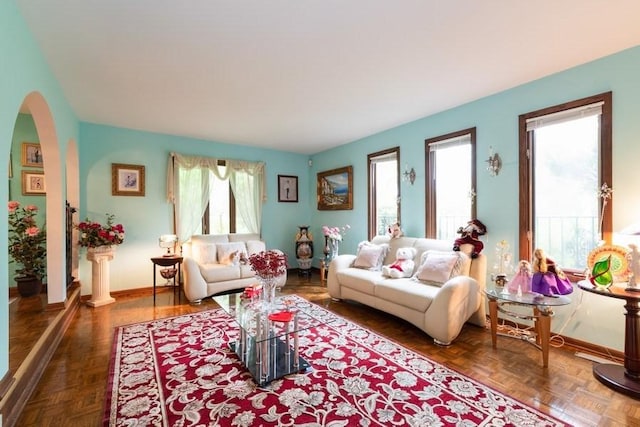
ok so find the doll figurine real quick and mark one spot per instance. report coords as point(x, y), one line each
point(548, 279)
point(521, 282)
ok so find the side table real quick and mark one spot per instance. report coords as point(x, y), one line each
point(542, 307)
point(625, 379)
point(166, 261)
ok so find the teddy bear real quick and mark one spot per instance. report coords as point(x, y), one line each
point(402, 266)
point(469, 235)
point(394, 231)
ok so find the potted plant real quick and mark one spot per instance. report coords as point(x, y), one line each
point(93, 234)
point(27, 248)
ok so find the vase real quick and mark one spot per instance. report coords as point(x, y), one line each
point(100, 257)
point(334, 246)
point(28, 286)
point(268, 291)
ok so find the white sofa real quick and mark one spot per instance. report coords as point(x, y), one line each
point(438, 309)
point(208, 270)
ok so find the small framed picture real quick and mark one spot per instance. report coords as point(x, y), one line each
point(287, 188)
point(127, 180)
point(32, 155)
point(33, 183)
point(335, 189)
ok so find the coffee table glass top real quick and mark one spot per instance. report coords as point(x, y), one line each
point(246, 313)
point(528, 298)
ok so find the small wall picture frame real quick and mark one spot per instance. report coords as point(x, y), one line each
point(287, 188)
point(33, 183)
point(127, 180)
point(32, 155)
point(335, 189)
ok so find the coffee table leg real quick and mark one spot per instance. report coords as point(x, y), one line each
point(493, 316)
point(543, 327)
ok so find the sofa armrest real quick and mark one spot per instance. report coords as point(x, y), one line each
point(338, 263)
point(195, 287)
point(456, 301)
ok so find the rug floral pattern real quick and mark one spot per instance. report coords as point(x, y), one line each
point(180, 372)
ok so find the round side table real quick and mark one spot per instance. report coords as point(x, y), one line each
point(625, 379)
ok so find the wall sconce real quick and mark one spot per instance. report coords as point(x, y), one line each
point(494, 163)
point(168, 241)
point(409, 175)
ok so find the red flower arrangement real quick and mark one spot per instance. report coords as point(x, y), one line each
point(94, 234)
point(269, 264)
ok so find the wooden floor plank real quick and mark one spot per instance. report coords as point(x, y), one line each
point(72, 389)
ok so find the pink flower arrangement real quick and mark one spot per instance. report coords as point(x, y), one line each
point(27, 242)
point(94, 234)
point(269, 264)
point(335, 233)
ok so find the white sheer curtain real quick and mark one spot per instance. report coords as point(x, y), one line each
point(188, 190)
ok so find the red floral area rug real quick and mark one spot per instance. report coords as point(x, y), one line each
point(180, 372)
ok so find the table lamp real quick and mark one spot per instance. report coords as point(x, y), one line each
point(168, 241)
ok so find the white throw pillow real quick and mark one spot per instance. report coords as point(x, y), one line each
point(437, 267)
point(228, 253)
point(370, 256)
point(204, 253)
point(255, 246)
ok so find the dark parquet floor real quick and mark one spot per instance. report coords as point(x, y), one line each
point(71, 391)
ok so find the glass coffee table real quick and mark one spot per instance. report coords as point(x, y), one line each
point(542, 307)
point(268, 341)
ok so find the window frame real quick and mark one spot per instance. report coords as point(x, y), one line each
point(371, 181)
point(431, 186)
point(605, 171)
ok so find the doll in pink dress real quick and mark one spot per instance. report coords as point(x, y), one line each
point(548, 279)
point(521, 282)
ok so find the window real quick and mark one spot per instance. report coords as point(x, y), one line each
point(220, 216)
point(451, 183)
point(384, 190)
point(565, 158)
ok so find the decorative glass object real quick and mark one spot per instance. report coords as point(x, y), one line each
point(608, 264)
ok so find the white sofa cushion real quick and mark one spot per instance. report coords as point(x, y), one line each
point(219, 272)
point(226, 250)
point(370, 256)
point(407, 292)
point(204, 253)
point(255, 246)
point(436, 267)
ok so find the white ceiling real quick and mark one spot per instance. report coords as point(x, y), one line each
point(307, 75)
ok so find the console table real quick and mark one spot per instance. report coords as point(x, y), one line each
point(166, 261)
point(625, 379)
point(542, 307)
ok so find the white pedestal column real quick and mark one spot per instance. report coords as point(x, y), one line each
point(100, 258)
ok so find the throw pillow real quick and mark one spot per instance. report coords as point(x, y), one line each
point(255, 246)
point(370, 256)
point(228, 253)
point(437, 267)
point(204, 253)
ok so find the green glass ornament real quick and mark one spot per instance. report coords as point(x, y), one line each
point(601, 273)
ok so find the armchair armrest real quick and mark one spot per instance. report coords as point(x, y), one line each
point(456, 301)
point(338, 263)
point(195, 287)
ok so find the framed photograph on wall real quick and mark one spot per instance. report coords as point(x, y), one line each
point(287, 188)
point(335, 189)
point(33, 183)
point(32, 155)
point(127, 180)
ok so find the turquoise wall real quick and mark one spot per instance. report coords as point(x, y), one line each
point(145, 218)
point(590, 318)
point(24, 70)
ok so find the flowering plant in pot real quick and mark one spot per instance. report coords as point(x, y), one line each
point(94, 234)
point(27, 247)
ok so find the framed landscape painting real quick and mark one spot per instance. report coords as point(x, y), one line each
point(127, 180)
point(287, 188)
point(335, 189)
